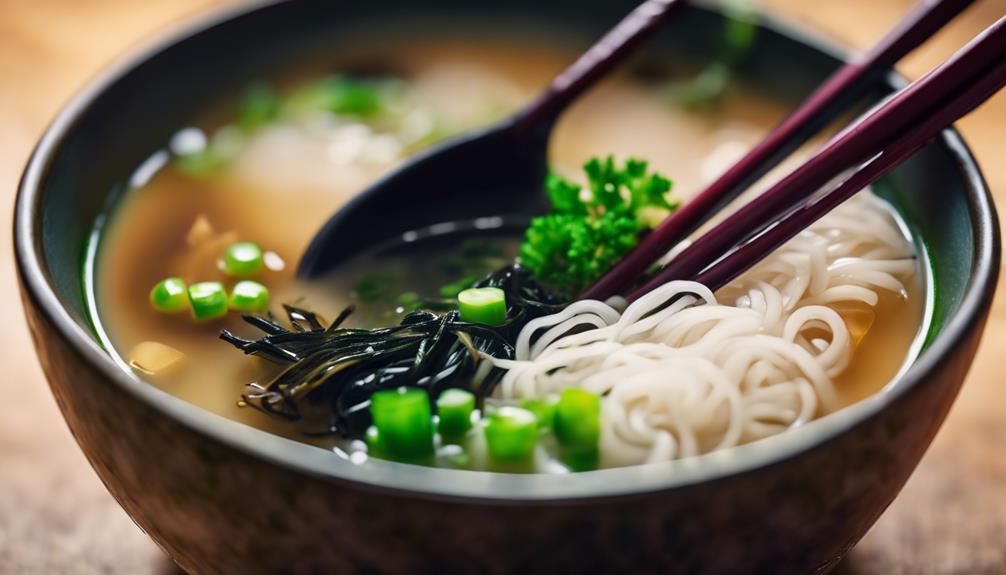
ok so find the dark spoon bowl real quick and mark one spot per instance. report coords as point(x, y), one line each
point(220, 497)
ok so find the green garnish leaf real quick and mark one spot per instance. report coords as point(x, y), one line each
point(706, 89)
point(452, 289)
point(709, 86)
point(408, 298)
point(346, 96)
point(565, 196)
point(375, 286)
point(588, 231)
point(260, 106)
point(741, 29)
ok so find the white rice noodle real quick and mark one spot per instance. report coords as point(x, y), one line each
point(682, 374)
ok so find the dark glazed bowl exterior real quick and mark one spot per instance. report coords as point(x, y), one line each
point(220, 497)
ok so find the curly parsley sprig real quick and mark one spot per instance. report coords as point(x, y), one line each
point(591, 227)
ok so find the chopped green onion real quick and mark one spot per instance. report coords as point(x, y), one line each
point(404, 421)
point(582, 460)
point(455, 407)
point(208, 300)
point(249, 296)
point(511, 434)
point(578, 420)
point(169, 295)
point(483, 305)
point(543, 408)
point(243, 259)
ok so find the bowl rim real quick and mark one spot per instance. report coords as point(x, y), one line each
point(457, 485)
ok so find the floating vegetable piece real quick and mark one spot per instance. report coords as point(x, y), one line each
point(404, 421)
point(485, 305)
point(169, 296)
point(543, 408)
point(249, 296)
point(455, 407)
point(590, 228)
point(375, 286)
point(582, 460)
point(352, 96)
point(260, 106)
point(511, 434)
point(153, 358)
point(454, 288)
point(208, 300)
point(408, 300)
point(243, 259)
point(578, 420)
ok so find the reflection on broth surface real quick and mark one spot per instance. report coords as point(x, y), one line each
point(276, 178)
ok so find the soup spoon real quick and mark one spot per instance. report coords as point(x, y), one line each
point(497, 170)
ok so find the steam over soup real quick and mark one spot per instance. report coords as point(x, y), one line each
point(452, 355)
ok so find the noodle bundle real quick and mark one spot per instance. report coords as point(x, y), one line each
point(682, 372)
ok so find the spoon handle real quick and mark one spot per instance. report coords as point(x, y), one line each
point(620, 42)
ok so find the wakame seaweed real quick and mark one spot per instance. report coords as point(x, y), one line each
point(328, 373)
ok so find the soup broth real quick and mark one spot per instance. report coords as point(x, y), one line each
point(290, 174)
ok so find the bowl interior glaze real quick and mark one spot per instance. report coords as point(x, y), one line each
point(131, 111)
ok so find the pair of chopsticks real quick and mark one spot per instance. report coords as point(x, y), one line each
point(872, 147)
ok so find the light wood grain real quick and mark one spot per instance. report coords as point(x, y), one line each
point(55, 517)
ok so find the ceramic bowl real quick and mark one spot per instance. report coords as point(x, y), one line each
point(220, 497)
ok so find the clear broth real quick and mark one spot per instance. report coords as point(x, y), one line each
point(280, 200)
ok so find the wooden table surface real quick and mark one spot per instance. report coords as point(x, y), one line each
point(55, 516)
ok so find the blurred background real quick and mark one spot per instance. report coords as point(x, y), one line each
point(56, 517)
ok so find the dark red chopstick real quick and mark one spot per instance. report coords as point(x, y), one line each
point(746, 256)
point(868, 137)
point(843, 88)
point(640, 24)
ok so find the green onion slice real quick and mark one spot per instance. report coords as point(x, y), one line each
point(578, 420)
point(208, 300)
point(483, 305)
point(169, 295)
point(249, 296)
point(243, 259)
point(511, 434)
point(455, 407)
point(404, 421)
